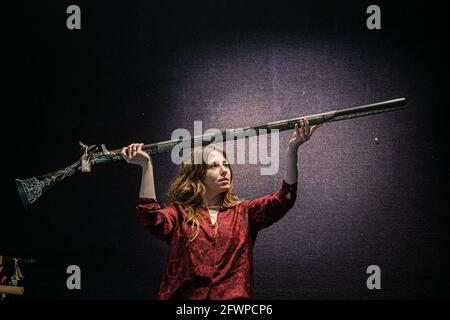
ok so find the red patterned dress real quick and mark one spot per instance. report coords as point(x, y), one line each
point(218, 264)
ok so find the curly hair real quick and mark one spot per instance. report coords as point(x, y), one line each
point(187, 188)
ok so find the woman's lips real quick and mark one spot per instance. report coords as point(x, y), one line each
point(224, 180)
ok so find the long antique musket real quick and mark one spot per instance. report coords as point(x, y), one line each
point(33, 188)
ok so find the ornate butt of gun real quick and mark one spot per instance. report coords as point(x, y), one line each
point(31, 189)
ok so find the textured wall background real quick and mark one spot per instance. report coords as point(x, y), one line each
point(136, 71)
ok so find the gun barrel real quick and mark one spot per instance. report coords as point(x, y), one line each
point(370, 109)
point(281, 125)
point(33, 188)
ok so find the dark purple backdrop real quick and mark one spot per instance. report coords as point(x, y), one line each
point(138, 70)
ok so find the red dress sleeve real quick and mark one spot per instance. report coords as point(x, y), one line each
point(160, 221)
point(267, 210)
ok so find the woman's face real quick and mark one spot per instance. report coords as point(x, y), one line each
point(217, 178)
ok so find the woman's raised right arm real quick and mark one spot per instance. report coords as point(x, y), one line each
point(160, 221)
point(134, 154)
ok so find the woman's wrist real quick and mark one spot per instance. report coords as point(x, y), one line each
point(147, 164)
point(292, 151)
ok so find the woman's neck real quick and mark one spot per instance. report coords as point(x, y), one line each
point(212, 200)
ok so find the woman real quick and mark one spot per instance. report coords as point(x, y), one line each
point(210, 231)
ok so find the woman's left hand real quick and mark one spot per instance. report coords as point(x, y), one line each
point(302, 133)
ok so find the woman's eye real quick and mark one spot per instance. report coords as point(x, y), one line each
point(215, 165)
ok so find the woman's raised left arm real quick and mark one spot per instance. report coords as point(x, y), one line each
point(302, 133)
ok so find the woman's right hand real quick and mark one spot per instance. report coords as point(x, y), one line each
point(134, 154)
